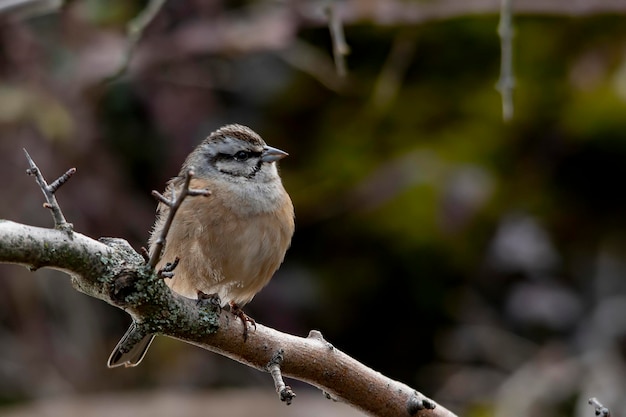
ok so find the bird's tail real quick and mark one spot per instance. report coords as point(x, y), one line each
point(131, 349)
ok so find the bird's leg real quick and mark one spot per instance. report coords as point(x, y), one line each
point(211, 299)
point(245, 319)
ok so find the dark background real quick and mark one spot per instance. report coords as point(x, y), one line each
point(477, 260)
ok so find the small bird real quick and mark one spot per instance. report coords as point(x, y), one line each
point(231, 242)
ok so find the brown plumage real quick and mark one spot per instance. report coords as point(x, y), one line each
point(222, 249)
point(231, 242)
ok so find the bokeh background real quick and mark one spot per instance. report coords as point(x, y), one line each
point(480, 261)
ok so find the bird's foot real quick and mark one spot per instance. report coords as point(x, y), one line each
point(245, 319)
point(168, 270)
point(212, 300)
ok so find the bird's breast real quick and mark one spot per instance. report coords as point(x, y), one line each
point(229, 243)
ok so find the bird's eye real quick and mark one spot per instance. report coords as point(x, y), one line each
point(241, 155)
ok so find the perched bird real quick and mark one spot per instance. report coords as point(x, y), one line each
point(231, 242)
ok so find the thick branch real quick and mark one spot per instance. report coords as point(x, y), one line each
point(36, 247)
point(112, 271)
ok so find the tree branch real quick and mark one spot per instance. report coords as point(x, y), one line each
point(112, 271)
point(285, 393)
point(340, 46)
point(506, 83)
point(134, 32)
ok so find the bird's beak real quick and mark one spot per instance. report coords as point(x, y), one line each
point(272, 154)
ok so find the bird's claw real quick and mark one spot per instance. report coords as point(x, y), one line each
point(245, 319)
point(212, 300)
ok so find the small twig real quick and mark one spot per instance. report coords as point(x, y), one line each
point(174, 204)
point(134, 32)
point(285, 393)
point(418, 402)
point(506, 83)
point(389, 81)
point(62, 180)
point(315, 63)
point(144, 254)
point(601, 410)
point(340, 46)
point(48, 191)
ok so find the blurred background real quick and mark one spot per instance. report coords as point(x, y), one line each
point(481, 262)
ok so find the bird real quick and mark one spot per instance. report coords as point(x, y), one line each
point(227, 245)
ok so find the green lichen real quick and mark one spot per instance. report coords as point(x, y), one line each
point(138, 289)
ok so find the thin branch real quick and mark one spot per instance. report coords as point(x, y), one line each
point(398, 12)
point(285, 393)
point(48, 192)
point(134, 31)
point(600, 410)
point(307, 58)
point(271, 30)
point(62, 180)
point(174, 204)
point(389, 81)
point(340, 46)
point(506, 83)
point(145, 254)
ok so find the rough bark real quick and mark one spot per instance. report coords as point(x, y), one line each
point(110, 270)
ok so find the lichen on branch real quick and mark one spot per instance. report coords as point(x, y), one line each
point(111, 270)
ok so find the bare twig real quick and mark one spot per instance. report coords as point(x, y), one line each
point(61, 180)
point(316, 63)
point(145, 254)
point(227, 34)
point(418, 403)
point(601, 410)
point(340, 46)
point(389, 81)
point(398, 12)
point(174, 204)
point(48, 192)
point(134, 32)
point(506, 83)
point(285, 393)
